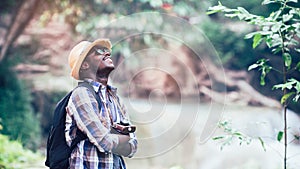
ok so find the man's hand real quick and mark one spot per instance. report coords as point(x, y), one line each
point(123, 147)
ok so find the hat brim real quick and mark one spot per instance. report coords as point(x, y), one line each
point(99, 42)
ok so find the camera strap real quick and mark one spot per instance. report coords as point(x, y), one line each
point(118, 105)
point(108, 111)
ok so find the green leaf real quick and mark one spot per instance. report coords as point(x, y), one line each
point(264, 71)
point(283, 86)
point(253, 66)
point(292, 83)
point(243, 10)
point(241, 16)
point(231, 15)
point(295, 1)
point(212, 12)
point(262, 79)
point(256, 40)
point(297, 86)
point(275, 15)
point(264, 68)
point(237, 134)
point(216, 9)
point(275, 40)
point(227, 10)
point(250, 35)
point(266, 32)
point(275, 50)
point(287, 17)
point(276, 27)
point(269, 41)
point(296, 98)
point(279, 136)
point(285, 97)
point(287, 60)
point(218, 138)
point(265, 2)
point(262, 143)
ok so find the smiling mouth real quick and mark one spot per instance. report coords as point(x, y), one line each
point(106, 57)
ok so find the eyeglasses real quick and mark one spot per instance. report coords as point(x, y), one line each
point(101, 51)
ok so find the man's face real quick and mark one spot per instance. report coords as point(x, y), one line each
point(100, 59)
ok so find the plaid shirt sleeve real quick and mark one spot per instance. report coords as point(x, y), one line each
point(84, 108)
point(133, 140)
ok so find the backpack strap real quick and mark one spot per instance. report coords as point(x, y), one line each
point(79, 134)
point(91, 89)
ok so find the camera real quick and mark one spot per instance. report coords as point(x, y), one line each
point(123, 128)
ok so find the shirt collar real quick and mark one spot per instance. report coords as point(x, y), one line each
point(97, 86)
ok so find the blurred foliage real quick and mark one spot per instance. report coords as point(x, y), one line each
point(253, 6)
point(269, 26)
point(84, 18)
point(18, 119)
point(7, 6)
point(280, 31)
point(234, 135)
point(176, 167)
point(14, 156)
point(44, 104)
point(88, 18)
point(234, 52)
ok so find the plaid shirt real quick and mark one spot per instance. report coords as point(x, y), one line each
point(84, 114)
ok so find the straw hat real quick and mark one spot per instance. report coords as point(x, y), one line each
point(80, 51)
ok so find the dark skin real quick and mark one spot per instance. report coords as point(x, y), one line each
point(98, 66)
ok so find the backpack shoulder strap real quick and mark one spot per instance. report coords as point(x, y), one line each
point(91, 89)
point(79, 134)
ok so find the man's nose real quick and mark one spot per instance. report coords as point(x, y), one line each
point(107, 54)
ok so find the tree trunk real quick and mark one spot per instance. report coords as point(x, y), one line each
point(19, 22)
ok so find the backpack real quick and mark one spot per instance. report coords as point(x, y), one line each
point(58, 151)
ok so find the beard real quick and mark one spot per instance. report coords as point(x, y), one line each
point(104, 72)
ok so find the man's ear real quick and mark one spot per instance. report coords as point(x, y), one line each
point(84, 65)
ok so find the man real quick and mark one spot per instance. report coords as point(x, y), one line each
point(103, 149)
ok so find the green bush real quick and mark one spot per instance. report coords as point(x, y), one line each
point(16, 114)
point(14, 156)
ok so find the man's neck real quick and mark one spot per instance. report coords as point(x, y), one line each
point(102, 80)
point(102, 76)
